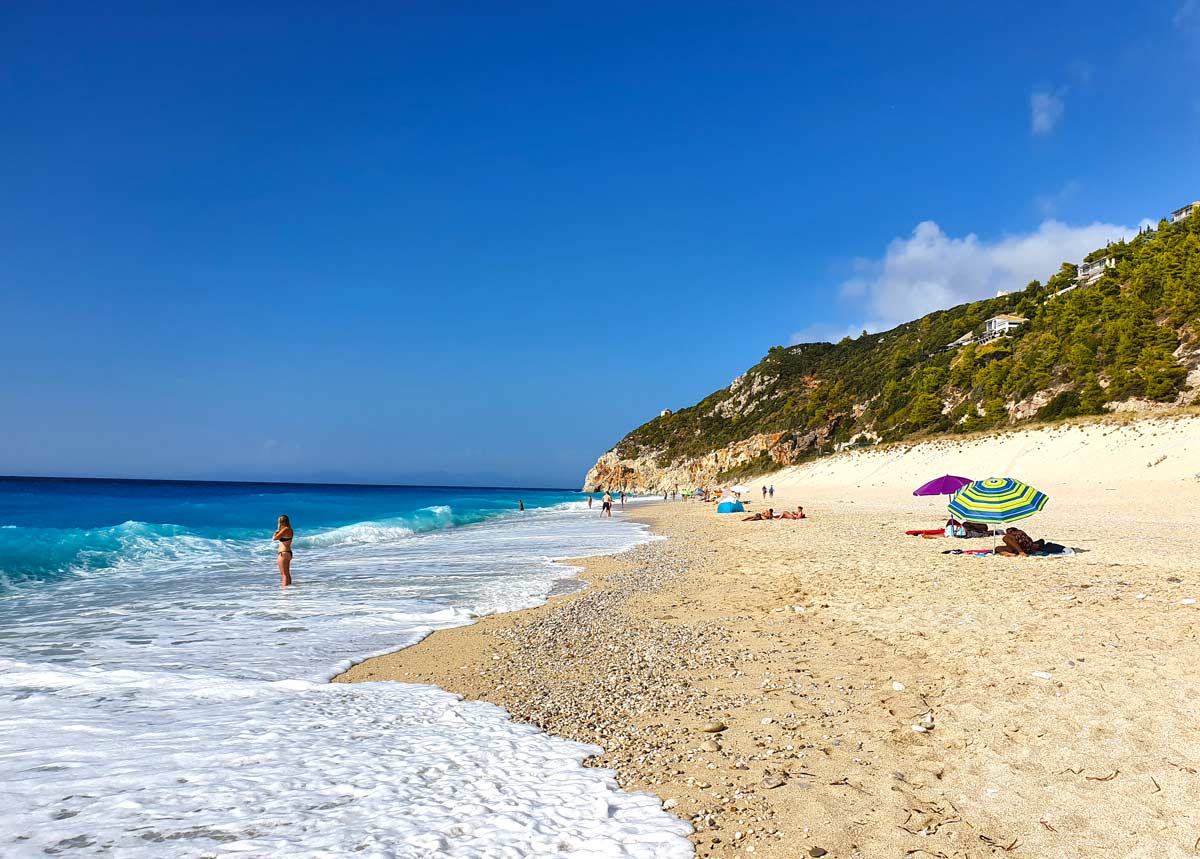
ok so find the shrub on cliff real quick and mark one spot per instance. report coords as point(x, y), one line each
point(1114, 339)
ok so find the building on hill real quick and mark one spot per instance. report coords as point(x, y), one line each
point(1184, 212)
point(1090, 272)
point(1000, 325)
point(665, 413)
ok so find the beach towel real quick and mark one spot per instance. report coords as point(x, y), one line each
point(927, 532)
point(1066, 550)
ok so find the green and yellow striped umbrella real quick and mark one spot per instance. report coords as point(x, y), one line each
point(996, 500)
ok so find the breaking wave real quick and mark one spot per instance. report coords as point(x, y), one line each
point(44, 554)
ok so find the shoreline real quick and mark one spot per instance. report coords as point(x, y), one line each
point(497, 658)
point(820, 644)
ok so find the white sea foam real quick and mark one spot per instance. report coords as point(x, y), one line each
point(181, 711)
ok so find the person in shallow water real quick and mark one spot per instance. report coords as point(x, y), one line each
point(284, 534)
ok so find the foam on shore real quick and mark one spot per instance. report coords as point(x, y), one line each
point(181, 710)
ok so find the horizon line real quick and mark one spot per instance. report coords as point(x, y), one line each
point(47, 477)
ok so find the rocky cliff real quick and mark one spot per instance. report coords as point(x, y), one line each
point(1127, 341)
point(646, 473)
point(651, 471)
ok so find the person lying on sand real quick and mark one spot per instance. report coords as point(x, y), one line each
point(975, 529)
point(1017, 543)
point(758, 517)
point(799, 514)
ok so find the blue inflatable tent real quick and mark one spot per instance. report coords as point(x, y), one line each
point(731, 507)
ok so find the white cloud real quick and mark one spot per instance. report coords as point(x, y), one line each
point(1046, 109)
point(930, 270)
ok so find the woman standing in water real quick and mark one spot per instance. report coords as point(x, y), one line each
point(284, 535)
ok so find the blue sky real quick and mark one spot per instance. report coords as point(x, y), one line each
point(432, 242)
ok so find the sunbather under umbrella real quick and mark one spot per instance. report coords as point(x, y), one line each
point(996, 501)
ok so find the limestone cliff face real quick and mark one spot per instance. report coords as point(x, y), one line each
point(646, 473)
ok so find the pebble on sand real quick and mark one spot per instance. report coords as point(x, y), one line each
point(774, 778)
point(713, 727)
point(897, 685)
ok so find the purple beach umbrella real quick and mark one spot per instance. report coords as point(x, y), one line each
point(947, 484)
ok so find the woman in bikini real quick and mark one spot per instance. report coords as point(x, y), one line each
point(284, 535)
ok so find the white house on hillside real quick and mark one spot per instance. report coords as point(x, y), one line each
point(1089, 272)
point(1002, 324)
point(1179, 214)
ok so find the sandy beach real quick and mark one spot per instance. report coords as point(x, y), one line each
point(833, 687)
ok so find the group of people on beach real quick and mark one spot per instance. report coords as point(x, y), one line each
point(770, 513)
point(1014, 542)
point(284, 534)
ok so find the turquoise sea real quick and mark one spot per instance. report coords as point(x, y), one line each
point(162, 696)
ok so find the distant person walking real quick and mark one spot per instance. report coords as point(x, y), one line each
point(284, 534)
point(521, 504)
point(622, 497)
point(606, 506)
point(764, 493)
point(589, 501)
point(771, 490)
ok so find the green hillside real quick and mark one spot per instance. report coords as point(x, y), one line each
point(1116, 338)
